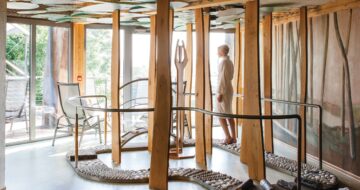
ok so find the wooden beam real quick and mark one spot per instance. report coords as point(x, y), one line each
point(200, 150)
point(201, 4)
point(303, 76)
point(327, 8)
point(78, 36)
point(152, 79)
point(188, 72)
point(237, 81)
point(162, 115)
point(252, 151)
point(2, 91)
point(267, 45)
point(208, 90)
point(115, 83)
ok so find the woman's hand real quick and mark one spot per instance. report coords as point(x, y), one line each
point(219, 98)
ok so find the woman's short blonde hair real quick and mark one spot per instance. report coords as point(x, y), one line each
point(224, 48)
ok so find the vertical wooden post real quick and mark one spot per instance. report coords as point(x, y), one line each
point(303, 76)
point(152, 79)
point(208, 90)
point(267, 45)
point(115, 81)
point(79, 55)
point(252, 151)
point(237, 81)
point(171, 27)
point(188, 73)
point(162, 115)
point(2, 91)
point(200, 148)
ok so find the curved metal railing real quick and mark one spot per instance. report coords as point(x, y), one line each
point(319, 107)
point(133, 81)
point(235, 116)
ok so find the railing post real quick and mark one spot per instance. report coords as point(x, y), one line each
point(76, 153)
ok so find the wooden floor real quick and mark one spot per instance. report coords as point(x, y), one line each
point(39, 166)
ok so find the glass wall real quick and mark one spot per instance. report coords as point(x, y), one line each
point(98, 43)
point(43, 67)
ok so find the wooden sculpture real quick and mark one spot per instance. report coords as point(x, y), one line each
point(180, 63)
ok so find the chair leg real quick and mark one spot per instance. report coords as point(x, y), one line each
point(26, 122)
point(56, 128)
point(82, 134)
point(99, 128)
point(11, 124)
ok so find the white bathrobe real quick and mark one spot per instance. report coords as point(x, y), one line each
point(226, 73)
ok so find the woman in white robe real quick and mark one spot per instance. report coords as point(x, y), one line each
point(225, 93)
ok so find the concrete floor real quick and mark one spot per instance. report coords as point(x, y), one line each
point(39, 166)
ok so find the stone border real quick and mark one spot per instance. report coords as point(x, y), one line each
point(96, 170)
point(311, 175)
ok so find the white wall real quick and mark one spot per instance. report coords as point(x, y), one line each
point(2, 91)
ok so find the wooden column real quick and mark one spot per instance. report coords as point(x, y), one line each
point(208, 90)
point(2, 91)
point(188, 72)
point(237, 81)
point(267, 45)
point(162, 115)
point(78, 35)
point(115, 84)
point(252, 151)
point(171, 27)
point(200, 89)
point(303, 76)
point(152, 79)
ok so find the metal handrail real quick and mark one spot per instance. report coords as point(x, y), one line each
point(320, 121)
point(297, 104)
point(252, 117)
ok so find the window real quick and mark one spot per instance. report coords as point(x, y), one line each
point(33, 81)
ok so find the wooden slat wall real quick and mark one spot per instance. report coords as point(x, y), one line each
point(208, 90)
point(252, 151)
point(152, 79)
point(115, 81)
point(2, 91)
point(200, 89)
point(303, 76)
point(267, 47)
point(162, 115)
point(189, 71)
point(78, 36)
point(236, 106)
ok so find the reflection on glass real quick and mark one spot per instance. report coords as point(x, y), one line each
point(52, 58)
point(98, 61)
point(17, 82)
